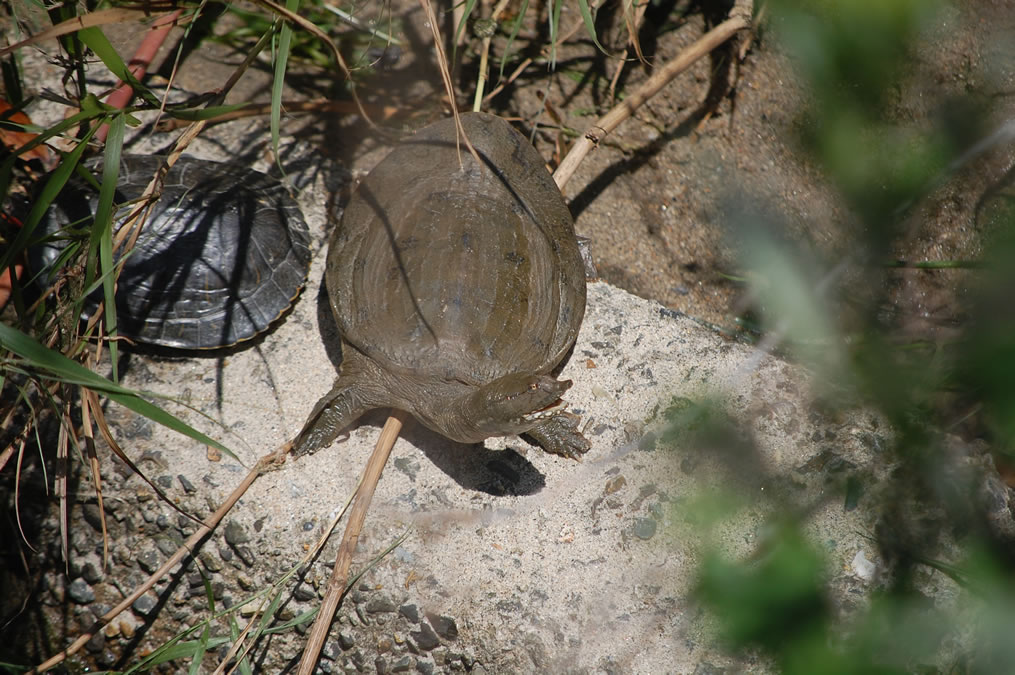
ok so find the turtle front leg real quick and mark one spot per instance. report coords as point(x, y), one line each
point(559, 435)
point(336, 410)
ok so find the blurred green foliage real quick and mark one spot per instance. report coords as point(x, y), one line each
point(855, 56)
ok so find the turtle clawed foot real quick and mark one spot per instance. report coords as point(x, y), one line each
point(559, 435)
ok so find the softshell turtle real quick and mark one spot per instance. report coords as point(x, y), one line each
point(457, 288)
point(223, 254)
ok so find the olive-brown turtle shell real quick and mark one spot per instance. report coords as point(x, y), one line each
point(445, 268)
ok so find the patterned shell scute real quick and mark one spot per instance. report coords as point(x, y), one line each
point(223, 255)
point(459, 271)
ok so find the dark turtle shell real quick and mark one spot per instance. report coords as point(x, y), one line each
point(224, 253)
point(459, 271)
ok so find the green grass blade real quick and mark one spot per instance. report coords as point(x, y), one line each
point(303, 618)
point(269, 613)
point(102, 233)
point(64, 369)
point(555, 6)
point(590, 23)
point(193, 115)
point(469, 6)
point(99, 43)
point(201, 648)
point(285, 37)
point(234, 634)
point(173, 651)
point(514, 33)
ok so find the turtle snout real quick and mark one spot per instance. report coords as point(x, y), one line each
point(513, 403)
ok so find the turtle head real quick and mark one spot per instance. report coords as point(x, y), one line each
point(513, 404)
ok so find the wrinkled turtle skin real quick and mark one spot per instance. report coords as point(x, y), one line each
point(456, 291)
point(223, 255)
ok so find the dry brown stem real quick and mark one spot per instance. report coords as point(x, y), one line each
point(339, 575)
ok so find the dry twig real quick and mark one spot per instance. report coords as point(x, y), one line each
point(740, 19)
point(336, 584)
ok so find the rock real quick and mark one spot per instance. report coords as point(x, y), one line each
point(246, 555)
point(331, 650)
point(93, 516)
point(304, 593)
point(380, 604)
point(188, 487)
point(346, 640)
point(236, 534)
point(444, 625)
point(210, 561)
point(425, 638)
point(145, 604)
point(91, 572)
point(96, 643)
point(402, 665)
point(410, 612)
point(81, 592)
point(644, 528)
point(149, 560)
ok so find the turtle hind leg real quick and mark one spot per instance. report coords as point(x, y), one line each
point(559, 435)
point(336, 410)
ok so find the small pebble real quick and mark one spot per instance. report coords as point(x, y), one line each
point(93, 516)
point(81, 592)
point(96, 644)
point(425, 637)
point(445, 626)
point(91, 573)
point(210, 561)
point(402, 665)
point(380, 604)
point(148, 560)
point(331, 650)
point(410, 612)
point(188, 487)
point(236, 534)
point(614, 484)
point(145, 604)
point(246, 555)
point(644, 528)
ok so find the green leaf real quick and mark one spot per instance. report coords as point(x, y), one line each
point(97, 41)
point(555, 6)
point(284, 42)
point(514, 33)
point(102, 232)
point(590, 23)
point(176, 650)
point(64, 369)
point(203, 113)
point(469, 6)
